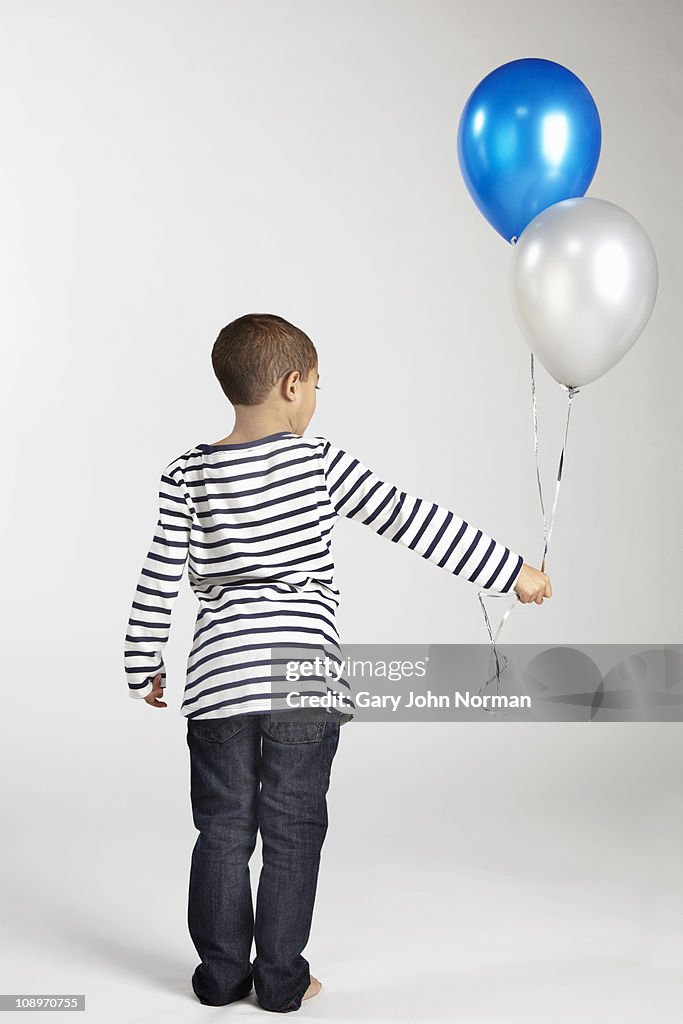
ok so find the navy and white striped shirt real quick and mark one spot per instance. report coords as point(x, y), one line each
point(253, 524)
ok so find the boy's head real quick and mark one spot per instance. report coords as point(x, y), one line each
point(262, 359)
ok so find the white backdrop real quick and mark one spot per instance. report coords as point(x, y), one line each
point(168, 167)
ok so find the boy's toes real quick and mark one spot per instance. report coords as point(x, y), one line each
point(312, 989)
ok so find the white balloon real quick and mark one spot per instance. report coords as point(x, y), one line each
point(584, 282)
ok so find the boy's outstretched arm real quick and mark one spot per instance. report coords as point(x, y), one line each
point(150, 616)
point(431, 530)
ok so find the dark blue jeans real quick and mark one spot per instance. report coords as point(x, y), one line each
point(248, 772)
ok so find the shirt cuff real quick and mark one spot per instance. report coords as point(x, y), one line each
point(141, 692)
point(510, 588)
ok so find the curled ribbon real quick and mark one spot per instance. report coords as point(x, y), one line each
point(547, 527)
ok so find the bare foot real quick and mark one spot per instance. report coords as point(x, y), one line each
point(312, 989)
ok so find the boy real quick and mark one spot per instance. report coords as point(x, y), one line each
point(252, 515)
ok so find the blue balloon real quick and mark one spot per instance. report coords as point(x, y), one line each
point(529, 136)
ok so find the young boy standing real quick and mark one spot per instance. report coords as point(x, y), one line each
point(252, 516)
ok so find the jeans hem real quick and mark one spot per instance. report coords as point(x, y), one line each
point(244, 992)
point(288, 1009)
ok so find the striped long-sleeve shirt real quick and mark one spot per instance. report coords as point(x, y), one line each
point(253, 522)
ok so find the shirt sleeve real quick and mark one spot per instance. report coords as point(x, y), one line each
point(158, 587)
point(429, 529)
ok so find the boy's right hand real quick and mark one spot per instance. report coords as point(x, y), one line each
point(532, 585)
point(153, 698)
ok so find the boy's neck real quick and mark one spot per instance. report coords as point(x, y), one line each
point(253, 428)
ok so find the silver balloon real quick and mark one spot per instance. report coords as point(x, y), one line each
point(584, 282)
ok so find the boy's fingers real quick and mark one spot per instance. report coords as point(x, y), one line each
point(152, 700)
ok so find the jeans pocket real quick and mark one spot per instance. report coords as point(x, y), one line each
point(293, 729)
point(217, 730)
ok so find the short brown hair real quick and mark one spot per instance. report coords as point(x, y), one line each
point(254, 352)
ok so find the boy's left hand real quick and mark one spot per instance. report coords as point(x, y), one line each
point(158, 691)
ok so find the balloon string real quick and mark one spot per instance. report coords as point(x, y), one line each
point(547, 526)
point(547, 531)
